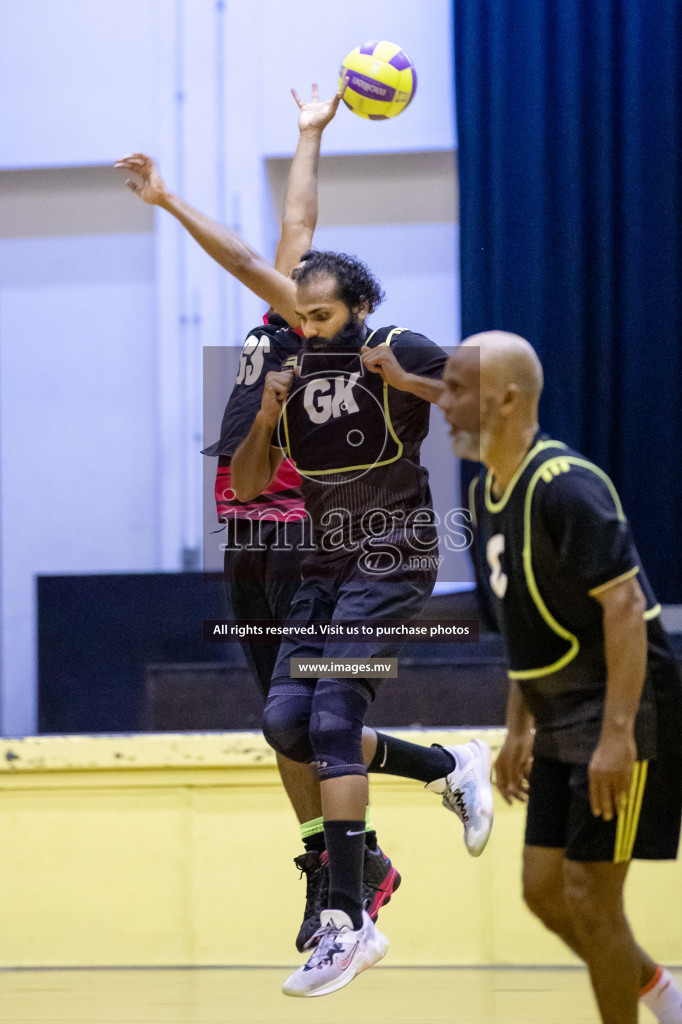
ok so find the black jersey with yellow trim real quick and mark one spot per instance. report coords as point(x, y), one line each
point(355, 440)
point(554, 541)
point(340, 418)
point(337, 418)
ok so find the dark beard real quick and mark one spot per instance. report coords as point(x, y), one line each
point(349, 339)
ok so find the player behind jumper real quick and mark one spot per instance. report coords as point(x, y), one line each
point(590, 670)
point(351, 412)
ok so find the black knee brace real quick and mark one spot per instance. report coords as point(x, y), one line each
point(286, 719)
point(338, 715)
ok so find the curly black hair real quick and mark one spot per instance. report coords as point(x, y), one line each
point(355, 282)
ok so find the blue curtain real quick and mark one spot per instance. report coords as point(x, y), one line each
point(569, 116)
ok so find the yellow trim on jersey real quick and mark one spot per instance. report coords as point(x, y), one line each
point(628, 815)
point(547, 471)
point(389, 427)
point(556, 627)
point(497, 506)
point(472, 499)
point(596, 591)
point(652, 613)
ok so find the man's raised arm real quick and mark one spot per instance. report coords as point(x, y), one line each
point(225, 246)
point(299, 217)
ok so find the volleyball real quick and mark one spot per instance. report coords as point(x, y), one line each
point(381, 80)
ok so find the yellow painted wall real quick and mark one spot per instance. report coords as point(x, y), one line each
point(177, 849)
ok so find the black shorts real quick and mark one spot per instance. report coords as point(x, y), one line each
point(559, 814)
point(262, 580)
point(352, 598)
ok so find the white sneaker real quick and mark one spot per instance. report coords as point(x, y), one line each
point(340, 954)
point(467, 791)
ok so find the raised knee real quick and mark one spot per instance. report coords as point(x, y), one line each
point(286, 721)
point(338, 714)
point(326, 731)
point(337, 745)
point(336, 738)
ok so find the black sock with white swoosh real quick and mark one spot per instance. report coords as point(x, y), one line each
point(410, 760)
point(346, 851)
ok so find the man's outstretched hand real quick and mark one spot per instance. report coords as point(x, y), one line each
point(148, 184)
point(315, 116)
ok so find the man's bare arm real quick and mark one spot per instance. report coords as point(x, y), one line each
point(625, 648)
point(515, 757)
point(222, 244)
point(383, 360)
point(255, 462)
point(299, 218)
point(424, 387)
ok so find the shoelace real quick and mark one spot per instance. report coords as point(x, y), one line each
point(328, 933)
point(314, 884)
point(310, 873)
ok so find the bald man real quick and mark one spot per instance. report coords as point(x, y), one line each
point(595, 702)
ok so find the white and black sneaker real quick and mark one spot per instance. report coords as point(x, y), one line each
point(341, 953)
point(468, 792)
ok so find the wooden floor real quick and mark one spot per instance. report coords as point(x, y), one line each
point(383, 995)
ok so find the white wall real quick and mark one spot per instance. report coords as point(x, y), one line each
point(316, 46)
point(83, 77)
point(105, 308)
point(90, 78)
point(77, 428)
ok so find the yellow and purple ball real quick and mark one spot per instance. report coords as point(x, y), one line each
point(381, 80)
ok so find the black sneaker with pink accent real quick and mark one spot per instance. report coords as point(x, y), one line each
point(379, 881)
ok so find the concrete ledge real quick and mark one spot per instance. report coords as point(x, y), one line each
point(158, 751)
